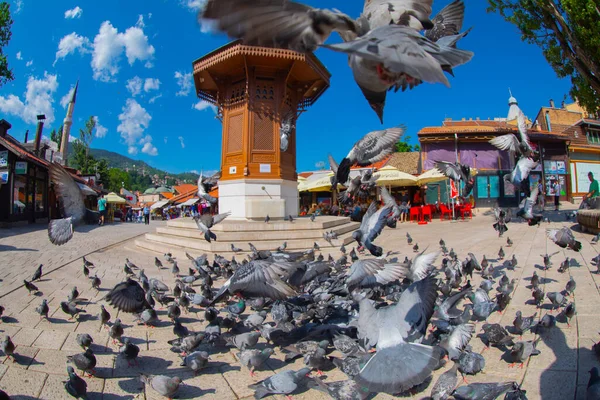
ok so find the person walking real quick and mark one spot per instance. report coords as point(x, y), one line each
point(146, 214)
point(556, 189)
point(102, 209)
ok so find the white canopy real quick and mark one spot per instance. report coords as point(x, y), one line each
point(159, 204)
point(391, 176)
point(190, 202)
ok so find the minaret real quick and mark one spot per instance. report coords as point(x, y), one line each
point(513, 108)
point(68, 121)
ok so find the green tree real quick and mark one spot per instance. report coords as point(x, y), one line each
point(56, 135)
point(103, 170)
point(86, 135)
point(6, 21)
point(568, 33)
point(404, 147)
point(117, 179)
point(81, 159)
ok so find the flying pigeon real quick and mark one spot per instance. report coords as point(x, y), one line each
point(70, 198)
point(371, 226)
point(207, 221)
point(458, 173)
point(373, 147)
point(128, 297)
point(202, 193)
point(564, 238)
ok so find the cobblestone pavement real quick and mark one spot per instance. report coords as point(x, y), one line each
point(559, 372)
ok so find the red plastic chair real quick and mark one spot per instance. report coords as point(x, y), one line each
point(426, 213)
point(444, 210)
point(415, 213)
point(466, 209)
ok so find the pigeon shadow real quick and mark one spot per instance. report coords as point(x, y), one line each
point(4, 247)
point(133, 385)
point(53, 320)
point(9, 320)
point(87, 317)
point(192, 392)
point(23, 360)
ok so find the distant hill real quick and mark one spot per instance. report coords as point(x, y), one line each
point(116, 160)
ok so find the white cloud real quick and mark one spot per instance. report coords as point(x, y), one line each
point(74, 13)
point(204, 105)
point(151, 84)
point(182, 142)
point(184, 81)
point(134, 121)
point(153, 99)
point(150, 149)
point(39, 97)
point(72, 43)
point(140, 22)
point(134, 85)
point(109, 45)
point(100, 130)
point(64, 101)
point(194, 5)
point(18, 6)
point(72, 139)
point(19, 56)
point(29, 63)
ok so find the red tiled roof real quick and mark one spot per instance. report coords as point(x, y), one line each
point(15, 147)
point(305, 174)
point(183, 197)
point(476, 123)
point(167, 195)
point(184, 188)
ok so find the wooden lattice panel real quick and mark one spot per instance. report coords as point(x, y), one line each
point(237, 93)
point(263, 133)
point(235, 135)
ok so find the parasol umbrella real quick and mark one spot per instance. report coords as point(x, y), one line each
point(392, 176)
point(112, 197)
point(433, 175)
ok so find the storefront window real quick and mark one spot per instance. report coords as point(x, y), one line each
point(40, 201)
point(19, 194)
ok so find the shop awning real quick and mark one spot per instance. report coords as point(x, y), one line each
point(159, 204)
point(86, 190)
point(190, 202)
point(112, 197)
point(391, 176)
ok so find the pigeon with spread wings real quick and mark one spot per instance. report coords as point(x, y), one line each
point(371, 226)
point(457, 172)
point(373, 147)
point(128, 297)
point(70, 198)
point(203, 193)
point(526, 208)
point(564, 238)
point(207, 221)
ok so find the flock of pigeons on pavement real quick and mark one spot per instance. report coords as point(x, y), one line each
point(373, 310)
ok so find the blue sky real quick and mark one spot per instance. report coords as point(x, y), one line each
point(134, 61)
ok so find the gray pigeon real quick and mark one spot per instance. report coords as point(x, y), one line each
point(129, 351)
point(85, 361)
point(207, 221)
point(285, 382)
point(244, 341)
point(195, 361)
point(521, 351)
point(166, 386)
point(557, 299)
point(470, 363)
point(564, 238)
point(521, 324)
point(43, 309)
point(70, 308)
point(445, 384)
point(75, 386)
point(399, 363)
point(253, 359)
point(70, 198)
point(84, 340)
point(8, 348)
point(483, 391)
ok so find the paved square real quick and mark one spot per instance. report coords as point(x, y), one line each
point(559, 372)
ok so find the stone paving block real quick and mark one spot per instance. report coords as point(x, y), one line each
point(558, 351)
point(20, 382)
point(9, 330)
point(98, 346)
point(546, 384)
point(51, 339)
point(587, 359)
point(122, 389)
point(26, 336)
point(205, 386)
point(54, 388)
point(50, 362)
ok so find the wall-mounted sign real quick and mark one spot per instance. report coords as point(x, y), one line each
point(265, 168)
point(4, 176)
point(21, 167)
point(4, 159)
point(550, 167)
point(561, 168)
point(232, 170)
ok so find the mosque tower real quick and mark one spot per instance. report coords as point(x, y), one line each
point(513, 108)
point(68, 121)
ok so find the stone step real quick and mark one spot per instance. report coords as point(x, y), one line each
point(223, 246)
point(178, 252)
point(257, 236)
point(323, 222)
